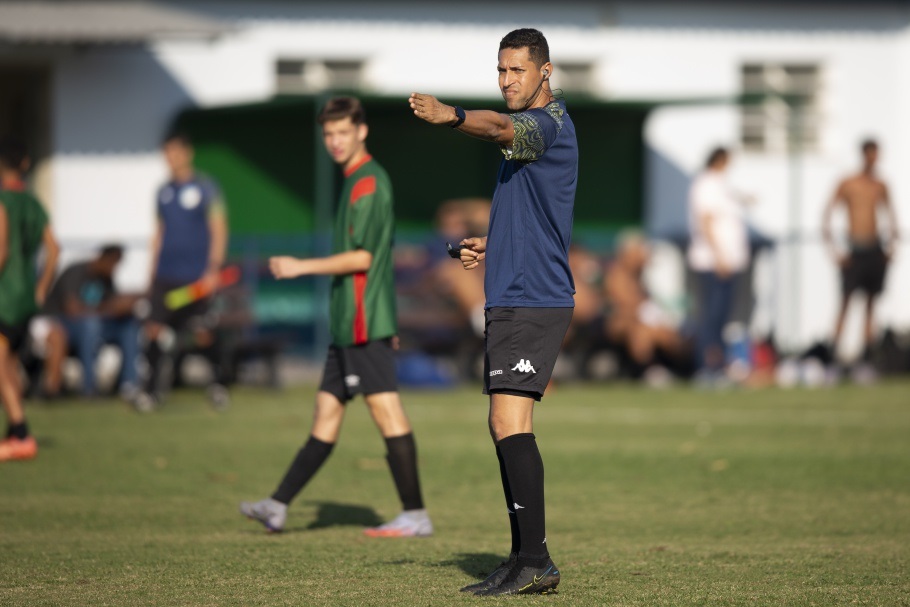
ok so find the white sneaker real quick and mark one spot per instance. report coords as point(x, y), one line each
point(269, 512)
point(410, 523)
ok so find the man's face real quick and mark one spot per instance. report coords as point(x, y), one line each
point(343, 139)
point(178, 156)
point(107, 265)
point(870, 155)
point(519, 79)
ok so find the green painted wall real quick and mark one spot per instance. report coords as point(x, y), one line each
point(264, 156)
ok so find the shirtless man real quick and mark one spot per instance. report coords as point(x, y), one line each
point(863, 266)
point(634, 319)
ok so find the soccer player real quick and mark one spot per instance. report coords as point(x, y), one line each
point(189, 245)
point(24, 228)
point(864, 266)
point(528, 284)
point(361, 359)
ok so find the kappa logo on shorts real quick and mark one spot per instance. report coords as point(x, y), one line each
point(496, 372)
point(352, 381)
point(524, 366)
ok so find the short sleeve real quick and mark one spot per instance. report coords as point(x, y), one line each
point(366, 214)
point(708, 197)
point(214, 199)
point(535, 132)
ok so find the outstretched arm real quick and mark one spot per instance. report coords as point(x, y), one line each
point(483, 124)
point(349, 262)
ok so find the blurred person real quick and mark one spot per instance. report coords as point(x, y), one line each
point(456, 220)
point(363, 323)
point(528, 284)
point(864, 264)
point(24, 229)
point(188, 246)
point(85, 303)
point(718, 254)
point(634, 319)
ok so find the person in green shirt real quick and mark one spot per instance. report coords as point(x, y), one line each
point(361, 359)
point(24, 228)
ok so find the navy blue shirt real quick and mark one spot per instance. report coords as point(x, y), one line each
point(527, 259)
point(184, 210)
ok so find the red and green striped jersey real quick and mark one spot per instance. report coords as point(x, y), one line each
point(26, 220)
point(363, 304)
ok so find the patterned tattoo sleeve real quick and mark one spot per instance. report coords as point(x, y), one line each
point(528, 144)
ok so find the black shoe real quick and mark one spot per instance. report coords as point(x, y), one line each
point(527, 579)
point(495, 578)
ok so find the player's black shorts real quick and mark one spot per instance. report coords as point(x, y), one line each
point(865, 270)
point(180, 318)
point(14, 335)
point(521, 348)
point(365, 369)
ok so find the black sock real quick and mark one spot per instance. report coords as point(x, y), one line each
point(510, 508)
point(402, 458)
point(308, 461)
point(19, 430)
point(153, 355)
point(524, 468)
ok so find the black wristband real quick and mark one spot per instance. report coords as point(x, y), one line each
point(459, 112)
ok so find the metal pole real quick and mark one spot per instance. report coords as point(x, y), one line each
point(794, 149)
point(323, 186)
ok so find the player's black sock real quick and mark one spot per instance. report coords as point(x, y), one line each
point(308, 461)
point(513, 520)
point(19, 430)
point(524, 468)
point(402, 458)
point(153, 355)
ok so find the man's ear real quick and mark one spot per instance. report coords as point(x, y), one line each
point(548, 68)
point(362, 131)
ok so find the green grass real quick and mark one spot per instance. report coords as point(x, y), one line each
point(654, 498)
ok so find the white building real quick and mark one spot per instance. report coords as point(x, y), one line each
point(105, 79)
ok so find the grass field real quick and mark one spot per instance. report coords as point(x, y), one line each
point(675, 497)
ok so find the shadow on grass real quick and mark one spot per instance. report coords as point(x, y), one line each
point(476, 564)
point(333, 514)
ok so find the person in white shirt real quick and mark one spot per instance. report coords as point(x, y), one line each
point(718, 254)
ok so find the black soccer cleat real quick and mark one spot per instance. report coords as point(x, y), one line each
point(527, 579)
point(495, 578)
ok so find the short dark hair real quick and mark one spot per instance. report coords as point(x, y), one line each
point(111, 250)
point(339, 108)
point(869, 144)
point(12, 152)
point(177, 136)
point(531, 39)
point(716, 155)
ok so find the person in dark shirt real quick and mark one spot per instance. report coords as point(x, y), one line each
point(528, 284)
point(83, 300)
point(24, 231)
point(189, 245)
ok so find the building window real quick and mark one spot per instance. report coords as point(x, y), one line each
point(574, 77)
point(313, 75)
point(781, 107)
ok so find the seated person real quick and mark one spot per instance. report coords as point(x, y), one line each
point(84, 303)
point(633, 319)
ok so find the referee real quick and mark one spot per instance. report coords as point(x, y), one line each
point(528, 284)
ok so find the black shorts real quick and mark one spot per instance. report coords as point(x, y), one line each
point(865, 270)
point(187, 316)
point(521, 348)
point(365, 369)
point(14, 335)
